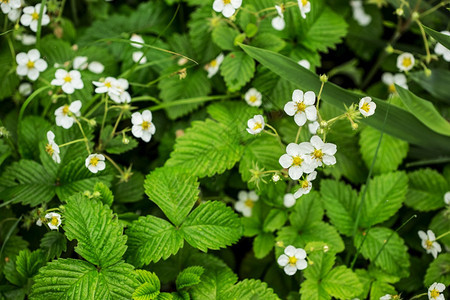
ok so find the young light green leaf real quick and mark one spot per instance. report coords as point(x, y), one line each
point(189, 277)
point(149, 286)
point(237, 69)
point(105, 194)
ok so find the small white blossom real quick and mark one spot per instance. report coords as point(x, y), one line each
point(359, 14)
point(305, 7)
point(80, 62)
point(297, 160)
point(95, 163)
point(55, 220)
point(226, 7)
point(246, 202)
point(305, 185)
point(439, 49)
point(65, 115)
point(96, 67)
point(386, 297)
point(320, 152)
point(106, 86)
point(429, 242)
point(435, 291)
point(26, 39)
point(302, 107)
point(25, 88)
point(137, 38)
point(68, 81)
point(14, 15)
point(405, 62)
point(30, 64)
point(138, 56)
point(391, 80)
point(253, 97)
point(289, 200)
point(121, 96)
point(142, 125)
point(367, 106)
point(276, 178)
point(292, 260)
point(52, 148)
point(9, 5)
point(256, 124)
point(30, 17)
point(313, 127)
point(278, 22)
point(447, 198)
point(39, 222)
point(305, 64)
point(213, 67)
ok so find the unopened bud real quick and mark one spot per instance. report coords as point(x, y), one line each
point(275, 178)
point(389, 49)
point(427, 72)
point(182, 61)
point(323, 78)
point(415, 15)
point(92, 122)
point(96, 194)
point(182, 73)
point(323, 124)
point(125, 140)
point(399, 11)
point(179, 132)
point(355, 126)
point(279, 244)
point(325, 248)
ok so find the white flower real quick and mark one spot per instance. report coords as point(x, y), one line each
point(253, 97)
point(30, 17)
point(95, 162)
point(359, 14)
point(39, 222)
point(30, 64)
point(386, 297)
point(106, 86)
point(302, 107)
point(405, 62)
point(246, 202)
point(305, 7)
point(394, 79)
point(137, 38)
point(447, 198)
point(289, 200)
point(138, 56)
point(142, 125)
point(313, 127)
point(55, 220)
point(435, 290)
point(292, 260)
point(276, 178)
point(305, 185)
point(278, 22)
point(320, 152)
point(80, 62)
point(14, 14)
point(52, 148)
point(96, 67)
point(65, 115)
point(439, 49)
point(429, 242)
point(213, 66)
point(9, 5)
point(226, 7)
point(297, 160)
point(305, 64)
point(26, 39)
point(120, 94)
point(256, 124)
point(25, 89)
point(367, 106)
point(69, 81)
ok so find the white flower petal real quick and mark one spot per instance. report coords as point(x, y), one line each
point(300, 118)
point(309, 98)
point(290, 250)
point(283, 260)
point(297, 96)
point(285, 161)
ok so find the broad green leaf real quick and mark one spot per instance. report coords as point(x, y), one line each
point(130, 191)
point(400, 124)
point(116, 146)
point(77, 279)
point(426, 190)
point(393, 258)
point(263, 243)
point(341, 283)
point(206, 149)
point(380, 289)
point(440, 37)
point(390, 155)
point(103, 193)
point(307, 211)
point(54, 243)
point(212, 225)
point(224, 36)
point(439, 270)
point(312, 290)
point(341, 204)
point(189, 277)
point(149, 285)
point(150, 239)
point(173, 191)
point(11, 248)
point(439, 225)
point(322, 263)
point(32, 132)
point(249, 289)
point(274, 220)
point(268, 41)
point(25, 266)
point(200, 28)
point(384, 197)
point(55, 50)
point(237, 69)
point(436, 83)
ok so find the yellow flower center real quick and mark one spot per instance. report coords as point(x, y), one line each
point(318, 154)
point(49, 149)
point(407, 62)
point(146, 125)
point(434, 293)
point(301, 106)
point(429, 244)
point(305, 184)
point(249, 203)
point(253, 99)
point(67, 78)
point(35, 16)
point(108, 84)
point(65, 109)
point(54, 221)
point(365, 107)
point(392, 88)
point(94, 161)
point(304, 2)
point(297, 161)
point(226, 2)
point(213, 63)
point(257, 126)
point(30, 64)
point(292, 260)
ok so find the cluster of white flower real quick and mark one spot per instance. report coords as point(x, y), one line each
point(81, 63)
point(138, 56)
point(245, 203)
point(227, 7)
point(292, 260)
point(30, 64)
point(53, 218)
point(429, 242)
point(30, 17)
point(213, 67)
point(394, 79)
point(115, 88)
point(69, 81)
point(359, 14)
point(405, 62)
point(66, 114)
point(11, 8)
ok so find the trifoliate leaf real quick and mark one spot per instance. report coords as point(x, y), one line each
point(150, 239)
point(250, 289)
point(212, 225)
point(237, 69)
point(173, 191)
point(189, 277)
point(439, 270)
point(97, 230)
point(54, 243)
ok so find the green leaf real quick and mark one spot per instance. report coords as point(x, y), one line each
point(424, 111)
point(342, 283)
point(173, 191)
point(307, 211)
point(440, 37)
point(116, 146)
point(237, 69)
point(379, 289)
point(400, 124)
point(212, 225)
point(55, 50)
point(206, 149)
point(54, 243)
point(105, 194)
point(200, 33)
point(268, 41)
point(436, 83)
point(150, 286)
point(250, 289)
point(439, 225)
point(11, 248)
point(32, 132)
point(150, 239)
point(224, 37)
point(76, 279)
point(341, 204)
point(439, 270)
point(97, 230)
point(130, 191)
point(274, 220)
point(426, 190)
point(312, 290)
point(393, 258)
point(384, 197)
point(390, 155)
point(262, 244)
point(26, 265)
point(189, 277)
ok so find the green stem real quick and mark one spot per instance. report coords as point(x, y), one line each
point(39, 26)
point(63, 3)
point(418, 296)
point(105, 98)
point(8, 235)
point(71, 142)
point(275, 134)
point(115, 125)
point(144, 98)
point(189, 101)
point(298, 134)
point(425, 41)
point(113, 163)
point(443, 3)
point(442, 235)
point(84, 135)
point(29, 99)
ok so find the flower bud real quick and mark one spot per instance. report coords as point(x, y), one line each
point(427, 72)
point(275, 178)
point(399, 11)
point(355, 126)
point(415, 15)
point(323, 78)
point(125, 140)
point(389, 49)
